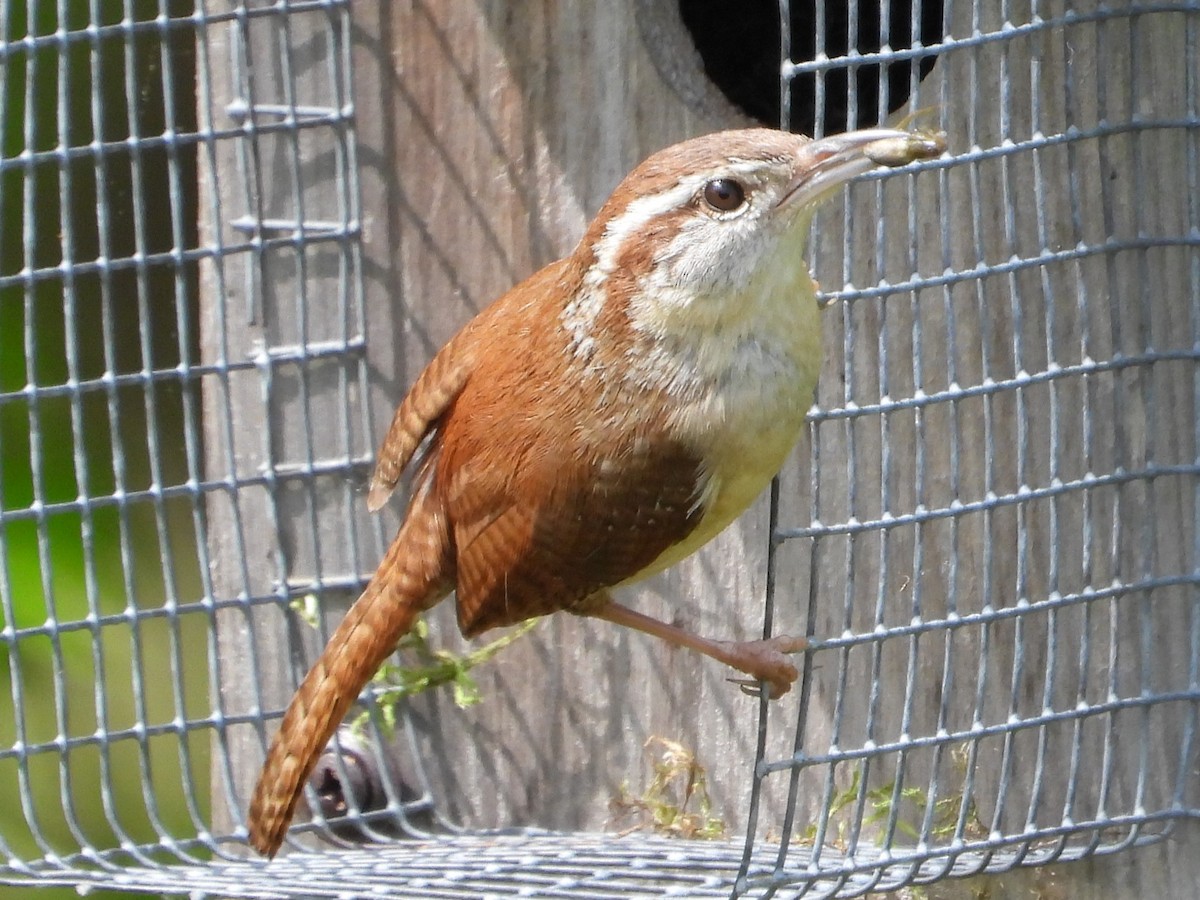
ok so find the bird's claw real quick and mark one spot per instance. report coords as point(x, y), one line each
point(751, 687)
point(766, 663)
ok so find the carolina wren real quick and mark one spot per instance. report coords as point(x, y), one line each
point(602, 420)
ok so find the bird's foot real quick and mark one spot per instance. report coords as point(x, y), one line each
point(766, 662)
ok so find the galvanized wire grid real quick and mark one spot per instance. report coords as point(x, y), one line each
point(104, 725)
point(1045, 529)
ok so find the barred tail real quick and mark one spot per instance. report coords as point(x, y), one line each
point(412, 577)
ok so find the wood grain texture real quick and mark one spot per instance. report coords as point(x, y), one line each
point(271, 409)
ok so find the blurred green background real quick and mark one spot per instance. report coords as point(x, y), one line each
point(95, 750)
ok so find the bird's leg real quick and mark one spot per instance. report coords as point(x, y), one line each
point(764, 660)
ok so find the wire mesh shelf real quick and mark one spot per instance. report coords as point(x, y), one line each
point(995, 526)
point(544, 864)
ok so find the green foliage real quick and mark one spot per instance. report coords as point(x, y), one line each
point(308, 609)
point(428, 668)
point(663, 807)
point(433, 668)
point(880, 805)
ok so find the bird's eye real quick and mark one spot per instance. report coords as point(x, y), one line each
point(724, 194)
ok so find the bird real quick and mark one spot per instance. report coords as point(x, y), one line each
point(601, 420)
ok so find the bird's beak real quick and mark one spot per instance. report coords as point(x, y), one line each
point(824, 165)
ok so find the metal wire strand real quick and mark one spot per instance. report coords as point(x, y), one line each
point(989, 519)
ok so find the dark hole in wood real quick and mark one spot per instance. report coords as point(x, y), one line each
point(739, 44)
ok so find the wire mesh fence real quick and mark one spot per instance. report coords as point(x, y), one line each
point(995, 530)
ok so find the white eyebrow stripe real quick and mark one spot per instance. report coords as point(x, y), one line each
point(579, 316)
point(636, 215)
